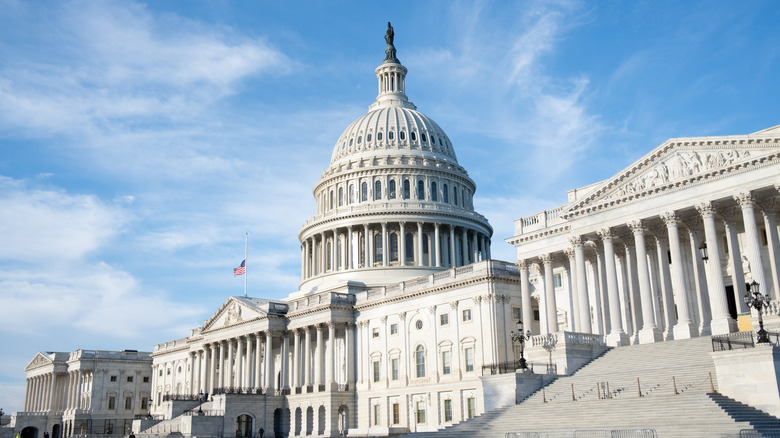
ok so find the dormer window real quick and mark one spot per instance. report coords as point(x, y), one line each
point(402, 135)
point(390, 135)
point(378, 136)
point(413, 136)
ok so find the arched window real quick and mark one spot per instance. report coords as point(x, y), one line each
point(377, 190)
point(328, 260)
point(389, 135)
point(368, 138)
point(341, 196)
point(422, 136)
point(419, 360)
point(393, 247)
point(407, 189)
point(378, 248)
point(454, 196)
point(413, 136)
point(379, 136)
point(421, 190)
point(364, 192)
point(434, 192)
point(402, 135)
point(244, 426)
point(351, 193)
point(391, 189)
point(445, 194)
point(332, 197)
point(409, 248)
point(462, 198)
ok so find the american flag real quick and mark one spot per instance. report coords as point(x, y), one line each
point(241, 270)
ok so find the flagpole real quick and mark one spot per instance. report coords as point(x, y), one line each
point(246, 244)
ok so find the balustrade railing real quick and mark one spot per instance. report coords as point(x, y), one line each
point(237, 390)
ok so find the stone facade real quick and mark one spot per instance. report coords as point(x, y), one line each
point(84, 392)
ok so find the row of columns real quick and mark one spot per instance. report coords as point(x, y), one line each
point(54, 391)
point(666, 289)
point(348, 248)
point(247, 362)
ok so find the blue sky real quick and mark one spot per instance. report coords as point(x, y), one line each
point(139, 142)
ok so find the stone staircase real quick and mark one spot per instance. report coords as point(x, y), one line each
point(582, 402)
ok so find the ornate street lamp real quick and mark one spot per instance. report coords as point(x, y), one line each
point(703, 251)
point(200, 398)
point(519, 336)
point(758, 302)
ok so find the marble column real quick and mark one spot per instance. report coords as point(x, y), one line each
point(454, 259)
point(699, 297)
point(583, 299)
point(551, 307)
point(385, 245)
point(665, 282)
point(525, 296)
point(684, 328)
point(349, 250)
point(649, 332)
point(329, 356)
point(616, 337)
point(268, 363)
point(773, 242)
point(349, 348)
point(366, 246)
point(258, 384)
point(239, 381)
point(229, 376)
point(722, 323)
point(752, 240)
point(437, 243)
point(402, 244)
point(318, 353)
point(420, 238)
point(296, 367)
point(464, 247)
point(285, 361)
point(571, 289)
point(306, 356)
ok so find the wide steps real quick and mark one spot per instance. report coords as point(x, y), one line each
point(693, 411)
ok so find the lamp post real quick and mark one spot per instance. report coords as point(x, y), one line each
point(200, 398)
point(758, 302)
point(519, 336)
point(703, 251)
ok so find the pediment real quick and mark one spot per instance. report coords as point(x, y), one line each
point(235, 310)
point(40, 360)
point(678, 162)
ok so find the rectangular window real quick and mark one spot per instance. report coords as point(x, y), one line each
point(396, 413)
point(109, 429)
point(146, 379)
point(375, 332)
point(466, 315)
point(471, 407)
point(444, 319)
point(377, 415)
point(111, 402)
point(144, 403)
point(557, 280)
point(445, 362)
point(469, 353)
point(113, 378)
point(128, 403)
point(536, 314)
point(394, 363)
point(421, 412)
point(129, 379)
point(517, 313)
point(447, 411)
point(393, 329)
point(376, 370)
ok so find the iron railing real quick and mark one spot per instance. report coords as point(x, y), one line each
point(614, 433)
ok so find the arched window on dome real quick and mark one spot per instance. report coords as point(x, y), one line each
point(455, 196)
point(393, 247)
point(364, 192)
point(341, 196)
point(462, 198)
point(445, 194)
point(407, 189)
point(368, 138)
point(390, 135)
point(426, 252)
point(421, 190)
point(351, 193)
point(379, 136)
point(434, 192)
point(413, 136)
point(391, 189)
point(377, 190)
point(419, 360)
point(402, 135)
point(328, 259)
point(360, 139)
point(332, 199)
point(378, 248)
point(423, 138)
point(409, 256)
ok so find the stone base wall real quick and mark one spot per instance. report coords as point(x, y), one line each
point(751, 376)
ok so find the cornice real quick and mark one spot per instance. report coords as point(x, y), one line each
point(539, 234)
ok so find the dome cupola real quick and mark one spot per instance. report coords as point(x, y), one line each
point(394, 202)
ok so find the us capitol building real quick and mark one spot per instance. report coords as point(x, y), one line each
point(401, 322)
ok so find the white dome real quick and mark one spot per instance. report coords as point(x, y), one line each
point(391, 129)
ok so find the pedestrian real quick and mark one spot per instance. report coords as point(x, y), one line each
point(46, 435)
point(261, 432)
point(132, 435)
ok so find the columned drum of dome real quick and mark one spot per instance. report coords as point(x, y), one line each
point(394, 202)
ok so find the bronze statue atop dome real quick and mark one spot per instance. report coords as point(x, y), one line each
point(390, 50)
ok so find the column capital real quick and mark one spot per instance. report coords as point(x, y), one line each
point(522, 265)
point(745, 199)
point(659, 231)
point(477, 299)
point(670, 218)
point(432, 310)
point(706, 209)
point(569, 252)
point(383, 319)
point(546, 258)
point(637, 226)
point(576, 241)
point(606, 234)
point(402, 315)
point(330, 324)
point(454, 305)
